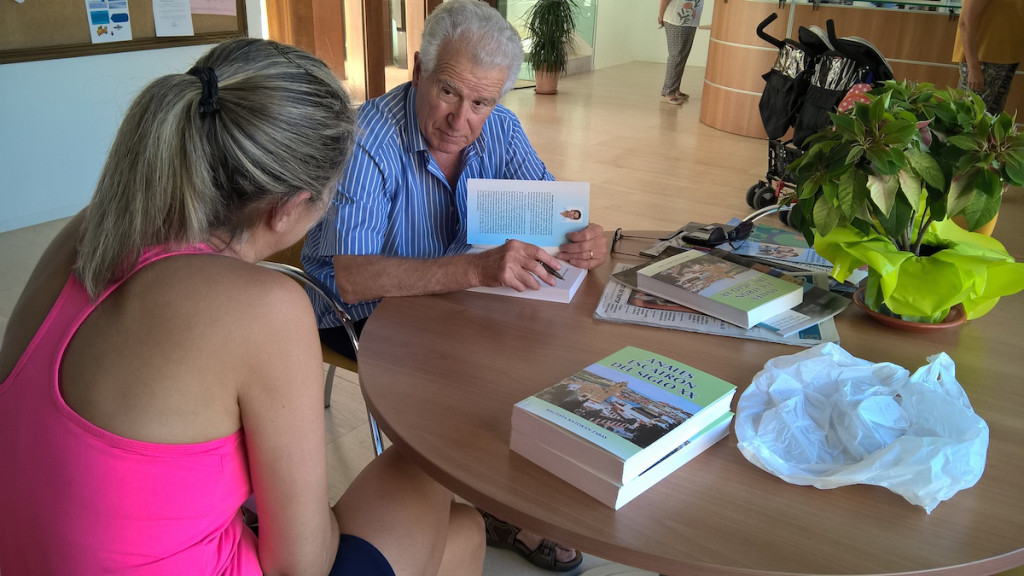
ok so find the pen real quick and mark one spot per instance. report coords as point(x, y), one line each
point(552, 271)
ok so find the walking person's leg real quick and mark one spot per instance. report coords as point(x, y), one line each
point(686, 36)
point(675, 64)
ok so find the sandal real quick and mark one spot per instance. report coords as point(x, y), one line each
point(501, 534)
point(673, 99)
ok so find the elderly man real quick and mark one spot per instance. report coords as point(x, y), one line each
point(397, 226)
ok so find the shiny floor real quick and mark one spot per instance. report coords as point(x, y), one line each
point(651, 165)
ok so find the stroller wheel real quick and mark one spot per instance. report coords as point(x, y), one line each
point(785, 214)
point(752, 193)
point(761, 195)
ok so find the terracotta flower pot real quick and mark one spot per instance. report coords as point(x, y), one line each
point(547, 82)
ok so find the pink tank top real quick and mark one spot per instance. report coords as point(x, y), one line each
point(77, 499)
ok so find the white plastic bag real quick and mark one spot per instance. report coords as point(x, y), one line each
point(826, 419)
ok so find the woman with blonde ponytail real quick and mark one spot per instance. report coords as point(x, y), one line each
point(152, 377)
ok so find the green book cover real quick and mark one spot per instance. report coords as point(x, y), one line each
point(715, 286)
point(625, 412)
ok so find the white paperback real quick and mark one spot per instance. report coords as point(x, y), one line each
point(539, 212)
point(610, 492)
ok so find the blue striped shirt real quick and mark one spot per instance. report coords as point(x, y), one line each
point(393, 199)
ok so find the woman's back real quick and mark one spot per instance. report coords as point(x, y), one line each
point(131, 454)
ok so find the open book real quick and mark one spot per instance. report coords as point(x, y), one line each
point(539, 212)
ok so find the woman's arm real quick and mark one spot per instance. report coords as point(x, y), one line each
point(281, 403)
point(970, 15)
point(40, 292)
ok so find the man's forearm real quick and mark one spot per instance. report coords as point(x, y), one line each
point(362, 278)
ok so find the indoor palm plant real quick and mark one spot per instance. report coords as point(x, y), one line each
point(550, 28)
point(880, 188)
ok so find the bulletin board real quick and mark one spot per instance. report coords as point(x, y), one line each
point(46, 29)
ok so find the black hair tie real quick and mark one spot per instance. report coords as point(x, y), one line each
point(208, 100)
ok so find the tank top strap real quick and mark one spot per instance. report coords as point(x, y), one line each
point(152, 254)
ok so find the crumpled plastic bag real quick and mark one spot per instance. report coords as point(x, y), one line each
point(825, 418)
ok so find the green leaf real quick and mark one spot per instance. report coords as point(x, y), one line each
point(880, 159)
point(964, 142)
point(856, 153)
point(897, 221)
point(883, 190)
point(961, 193)
point(878, 108)
point(900, 132)
point(829, 191)
point(926, 167)
point(825, 217)
point(845, 125)
point(1014, 170)
point(936, 203)
point(1002, 126)
point(910, 185)
point(846, 201)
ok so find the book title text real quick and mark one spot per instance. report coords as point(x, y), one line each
point(668, 376)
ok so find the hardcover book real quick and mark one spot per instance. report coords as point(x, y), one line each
point(723, 289)
point(623, 413)
point(612, 493)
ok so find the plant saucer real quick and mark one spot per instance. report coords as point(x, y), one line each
point(956, 317)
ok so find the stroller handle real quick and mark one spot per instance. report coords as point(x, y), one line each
point(768, 37)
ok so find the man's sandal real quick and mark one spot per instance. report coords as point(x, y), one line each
point(501, 534)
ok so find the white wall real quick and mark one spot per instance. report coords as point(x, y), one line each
point(627, 31)
point(58, 119)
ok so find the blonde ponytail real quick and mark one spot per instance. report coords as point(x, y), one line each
point(183, 166)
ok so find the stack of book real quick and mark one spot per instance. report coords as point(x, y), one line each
point(620, 425)
point(741, 290)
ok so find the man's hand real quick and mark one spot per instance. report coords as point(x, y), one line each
point(586, 249)
point(517, 265)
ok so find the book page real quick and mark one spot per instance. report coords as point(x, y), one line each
point(563, 290)
point(534, 211)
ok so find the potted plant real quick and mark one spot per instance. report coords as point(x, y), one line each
point(881, 186)
point(550, 26)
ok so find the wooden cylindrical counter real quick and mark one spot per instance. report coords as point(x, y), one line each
point(918, 45)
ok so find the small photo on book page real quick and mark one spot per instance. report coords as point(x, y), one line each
point(539, 212)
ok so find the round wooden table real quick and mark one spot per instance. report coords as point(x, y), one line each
point(441, 374)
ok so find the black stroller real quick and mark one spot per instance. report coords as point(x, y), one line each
point(809, 79)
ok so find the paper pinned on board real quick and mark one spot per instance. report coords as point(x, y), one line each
point(172, 18)
point(109, 21)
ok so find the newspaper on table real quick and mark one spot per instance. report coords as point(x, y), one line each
point(623, 304)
